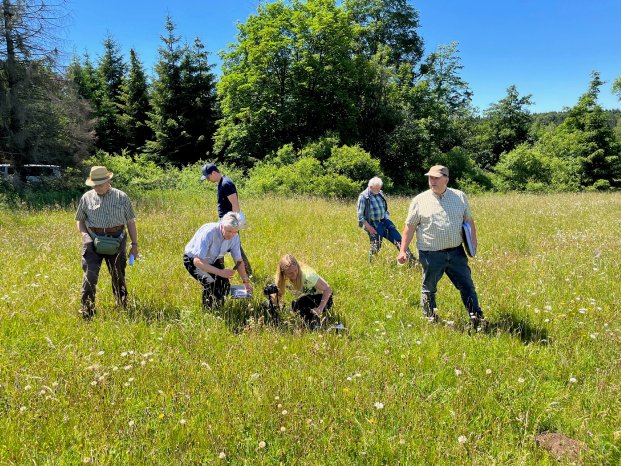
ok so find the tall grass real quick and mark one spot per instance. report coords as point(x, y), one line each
point(166, 382)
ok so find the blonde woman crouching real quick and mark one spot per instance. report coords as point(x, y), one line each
point(313, 295)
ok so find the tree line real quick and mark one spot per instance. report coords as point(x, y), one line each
point(309, 88)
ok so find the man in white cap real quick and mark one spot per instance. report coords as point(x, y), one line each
point(203, 258)
point(104, 211)
point(436, 216)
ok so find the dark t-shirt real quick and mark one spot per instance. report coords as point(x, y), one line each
point(226, 187)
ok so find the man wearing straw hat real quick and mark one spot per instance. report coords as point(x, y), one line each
point(103, 212)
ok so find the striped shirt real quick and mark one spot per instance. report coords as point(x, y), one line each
point(438, 219)
point(112, 209)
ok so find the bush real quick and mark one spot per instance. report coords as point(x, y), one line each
point(353, 162)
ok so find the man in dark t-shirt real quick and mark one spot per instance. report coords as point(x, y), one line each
point(227, 198)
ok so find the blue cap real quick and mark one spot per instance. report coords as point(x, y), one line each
point(207, 170)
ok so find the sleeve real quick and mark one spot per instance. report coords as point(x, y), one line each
point(361, 210)
point(129, 209)
point(236, 249)
point(310, 277)
point(228, 188)
point(413, 219)
point(80, 214)
point(467, 212)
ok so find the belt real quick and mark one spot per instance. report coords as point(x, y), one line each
point(451, 249)
point(108, 230)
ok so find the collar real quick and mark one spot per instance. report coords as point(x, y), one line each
point(439, 196)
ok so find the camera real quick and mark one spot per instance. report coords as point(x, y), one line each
point(270, 289)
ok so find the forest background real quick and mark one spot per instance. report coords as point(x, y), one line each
point(314, 97)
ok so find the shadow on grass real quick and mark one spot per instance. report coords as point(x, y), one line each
point(149, 312)
point(513, 324)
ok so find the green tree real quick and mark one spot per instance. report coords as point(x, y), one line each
point(387, 23)
point(183, 102)
point(291, 77)
point(506, 126)
point(135, 105)
point(111, 134)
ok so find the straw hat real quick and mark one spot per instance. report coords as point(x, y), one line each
point(99, 175)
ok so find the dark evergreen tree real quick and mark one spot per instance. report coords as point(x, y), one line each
point(111, 135)
point(135, 105)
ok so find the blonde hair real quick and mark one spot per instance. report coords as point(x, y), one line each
point(284, 263)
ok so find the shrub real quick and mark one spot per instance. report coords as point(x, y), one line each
point(353, 162)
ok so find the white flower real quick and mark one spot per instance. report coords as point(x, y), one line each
point(27, 387)
point(457, 372)
point(283, 428)
point(222, 455)
point(124, 353)
point(22, 409)
point(572, 380)
point(182, 422)
point(378, 405)
point(261, 444)
point(284, 412)
point(521, 380)
point(131, 423)
point(488, 371)
point(462, 439)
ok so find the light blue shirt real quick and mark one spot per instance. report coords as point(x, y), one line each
point(209, 245)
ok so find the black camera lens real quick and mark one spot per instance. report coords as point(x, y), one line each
point(270, 289)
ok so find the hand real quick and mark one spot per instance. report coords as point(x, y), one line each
point(226, 273)
point(134, 251)
point(248, 287)
point(317, 312)
point(402, 257)
point(372, 231)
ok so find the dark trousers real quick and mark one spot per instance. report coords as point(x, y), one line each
point(386, 229)
point(214, 291)
point(454, 263)
point(305, 304)
point(245, 259)
point(91, 265)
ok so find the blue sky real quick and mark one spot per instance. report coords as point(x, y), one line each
point(547, 48)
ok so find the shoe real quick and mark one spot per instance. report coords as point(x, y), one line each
point(86, 314)
point(478, 322)
point(431, 317)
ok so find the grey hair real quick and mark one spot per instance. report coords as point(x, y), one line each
point(375, 181)
point(234, 220)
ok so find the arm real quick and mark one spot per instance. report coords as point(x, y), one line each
point(86, 237)
point(234, 200)
point(406, 239)
point(322, 286)
point(363, 221)
point(207, 267)
point(241, 270)
point(133, 234)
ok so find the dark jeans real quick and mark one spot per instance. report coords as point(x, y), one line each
point(386, 229)
point(454, 263)
point(246, 262)
point(214, 291)
point(305, 304)
point(91, 265)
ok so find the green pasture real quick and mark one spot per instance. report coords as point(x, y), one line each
point(165, 382)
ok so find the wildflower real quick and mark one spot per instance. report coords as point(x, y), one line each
point(418, 342)
point(143, 363)
point(279, 406)
point(378, 405)
point(283, 429)
point(182, 422)
point(572, 380)
point(277, 398)
point(55, 384)
point(488, 371)
point(131, 423)
point(222, 455)
point(128, 367)
point(22, 409)
point(101, 353)
point(284, 412)
point(86, 460)
point(521, 380)
point(161, 416)
point(123, 354)
point(27, 387)
point(93, 383)
point(261, 444)
point(462, 439)
point(42, 392)
point(349, 379)
point(457, 372)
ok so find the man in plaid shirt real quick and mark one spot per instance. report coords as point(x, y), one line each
point(437, 216)
point(373, 218)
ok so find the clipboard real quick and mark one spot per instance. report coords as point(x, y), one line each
point(466, 233)
point(239, 292)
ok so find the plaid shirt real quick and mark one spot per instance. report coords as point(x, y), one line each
point(112, 209)
point(371, 207)
point(438, 219)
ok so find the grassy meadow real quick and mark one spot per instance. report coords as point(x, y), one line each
point(165, 382)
